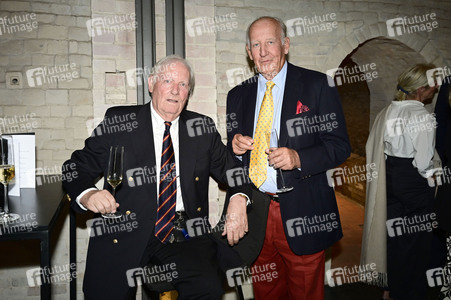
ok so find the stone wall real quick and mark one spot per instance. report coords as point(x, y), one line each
point(45, 45)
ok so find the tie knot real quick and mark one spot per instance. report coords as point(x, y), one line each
point(167, 124)
point(269, 85)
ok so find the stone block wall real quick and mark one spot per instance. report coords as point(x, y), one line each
point(45, 46)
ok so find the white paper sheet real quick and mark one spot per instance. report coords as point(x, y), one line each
point(25, 163)
point(27, 160)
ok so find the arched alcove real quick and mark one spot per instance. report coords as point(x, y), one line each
point(366, 80)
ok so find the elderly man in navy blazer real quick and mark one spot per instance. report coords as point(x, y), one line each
point(157, 199)
point(306, 112)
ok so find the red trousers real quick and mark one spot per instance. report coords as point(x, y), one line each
point(291, 276)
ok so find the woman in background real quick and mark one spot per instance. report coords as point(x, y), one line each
point(401, 144)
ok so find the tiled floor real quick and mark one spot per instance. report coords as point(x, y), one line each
point(346, 252)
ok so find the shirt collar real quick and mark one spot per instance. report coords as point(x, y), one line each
point(278, 80)
point(406, 102)
point(158, 119)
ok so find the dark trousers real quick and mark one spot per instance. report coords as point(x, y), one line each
point(198, 272)
point(195, 267)
point(409, 227)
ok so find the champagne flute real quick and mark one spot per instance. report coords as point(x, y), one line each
point(7, 172)
point(273, 139)
point(114, 176)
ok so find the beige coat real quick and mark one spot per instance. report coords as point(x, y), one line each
point(374, 240)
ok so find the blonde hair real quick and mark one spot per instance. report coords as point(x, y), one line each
point(411, 80)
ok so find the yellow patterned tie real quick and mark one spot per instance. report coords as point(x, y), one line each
point(259, 159)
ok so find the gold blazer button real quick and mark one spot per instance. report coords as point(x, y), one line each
point(199, 208)
point(115, 241)
point(127, 212)
point(197, 178)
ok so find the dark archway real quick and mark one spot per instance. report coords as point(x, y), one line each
point(366, 81)
point(355, 99)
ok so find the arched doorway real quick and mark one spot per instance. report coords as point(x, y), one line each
point(366, 81)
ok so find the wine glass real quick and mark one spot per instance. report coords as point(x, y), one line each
point(7, 173)
point(114, 176)
point(273, 139)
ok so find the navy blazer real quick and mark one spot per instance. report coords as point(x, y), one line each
point(115, 250)
point(312, 123)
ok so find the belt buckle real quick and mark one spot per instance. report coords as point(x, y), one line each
point(171, 238)
point(273, 197)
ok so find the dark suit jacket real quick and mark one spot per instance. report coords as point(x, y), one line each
point(443, 146)
point(320, 147)
point(114, 251)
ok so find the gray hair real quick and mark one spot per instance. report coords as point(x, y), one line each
point(162, 64)
point(280, 23)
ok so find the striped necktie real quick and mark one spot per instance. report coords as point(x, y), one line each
point(168, 189)
point(259, 160)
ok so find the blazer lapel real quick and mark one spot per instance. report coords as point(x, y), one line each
point(187, 156)
point(292, 93)
point(144, 149)
point(249, 99)
point(249, 104)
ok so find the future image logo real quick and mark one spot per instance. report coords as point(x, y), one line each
point(152, 275)
point(436, 277)
point(18, 123)
point(437, 76)
point(258, 273)
point(351, 175)
point(200, 126)
point(311, 25)
point(238, 75)
point(51, 174)
point(414, 124)
point(112, 124)
point(346, 275)
point(54, 274)
point(208, 25)
point(111, 24)
point(406, 25)
point(348, 75)
point(198, 226)
point(408, 225)
point(101, 226)
point(238, 176)
point(312, 224)
point(18, 23)
point(54, 74)
point(311, 124)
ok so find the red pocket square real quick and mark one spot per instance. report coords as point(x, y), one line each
point(300, 108)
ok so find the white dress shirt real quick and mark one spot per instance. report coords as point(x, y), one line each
point(410, 133)
point(158, 132)
point(270, 184)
